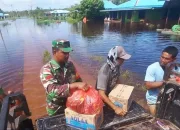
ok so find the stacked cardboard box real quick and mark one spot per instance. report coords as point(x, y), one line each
point(82, 121)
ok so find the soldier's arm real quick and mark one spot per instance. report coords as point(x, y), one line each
point(51, 86)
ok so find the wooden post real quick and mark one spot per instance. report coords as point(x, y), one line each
point(167, 17)
point(121, 16)
point(117, 14)
point(109, 14)
point(132, 16)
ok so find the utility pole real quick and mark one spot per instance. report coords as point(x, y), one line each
point(12, 11)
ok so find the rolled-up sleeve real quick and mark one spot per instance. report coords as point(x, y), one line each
point(50, 84)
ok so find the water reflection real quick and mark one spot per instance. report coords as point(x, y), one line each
point(92, 29)
point(25, 42)
point(145, 46)
point(175, 38)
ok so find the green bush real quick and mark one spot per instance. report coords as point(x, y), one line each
point(71, 20)
point(130, 78)
point(46, 56)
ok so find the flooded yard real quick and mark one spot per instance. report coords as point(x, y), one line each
point(23, 42)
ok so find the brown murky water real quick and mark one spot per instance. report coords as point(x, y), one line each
point(23, 42)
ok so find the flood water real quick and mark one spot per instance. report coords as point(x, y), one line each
point(23, 42)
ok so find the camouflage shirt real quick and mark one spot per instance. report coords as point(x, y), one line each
point(56, 80)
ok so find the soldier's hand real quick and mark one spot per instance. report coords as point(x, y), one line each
point(79, 85)
point(119, 111)
point(83, 86)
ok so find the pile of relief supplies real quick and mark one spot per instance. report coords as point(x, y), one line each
point(85, 108)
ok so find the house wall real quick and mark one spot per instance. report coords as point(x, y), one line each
point(127, 19)
point(153, 15)
point(135, 16)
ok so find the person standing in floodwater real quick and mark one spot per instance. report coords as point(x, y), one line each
point(109, 76)
point(155, 75)
point(59, 78)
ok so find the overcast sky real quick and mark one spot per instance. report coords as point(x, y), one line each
point(5, 5)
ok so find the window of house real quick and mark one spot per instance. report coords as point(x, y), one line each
point(129, 14)
point(142, 14)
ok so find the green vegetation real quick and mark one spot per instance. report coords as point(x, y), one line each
point(1, 11)
point(87, 8)
point(176, 28)
point(117, 2)
point(175, 38)
point(71, 20)
point(46, 56)
point(97, 58)
point(74, 16)
point(130, 78)
point(91, 9)
point(47, 21)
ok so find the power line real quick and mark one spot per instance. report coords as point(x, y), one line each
point(4, 3)
point(30, 1)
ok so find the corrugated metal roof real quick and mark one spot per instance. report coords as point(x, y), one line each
point(151, 3)
point(128, 4)
point(59, 12)
point(109, 4)
point(138, 5)
point(1, 14)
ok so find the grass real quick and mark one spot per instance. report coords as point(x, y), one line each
point(47, 20)
point(71, 20)
point(97, 58)
point(46, 57)
point(131, 79)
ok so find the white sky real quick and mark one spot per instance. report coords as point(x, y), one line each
point(5, 5)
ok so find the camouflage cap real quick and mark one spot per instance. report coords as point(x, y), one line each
point(63, 45)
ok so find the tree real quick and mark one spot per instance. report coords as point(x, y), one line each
point(74, 11)
point(117, 2)
point(91, 9)
point(38, 12)
point(1, 11)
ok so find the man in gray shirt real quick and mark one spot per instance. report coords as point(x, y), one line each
point(109, 76)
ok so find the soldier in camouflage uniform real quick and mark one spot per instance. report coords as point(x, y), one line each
point(59, 78)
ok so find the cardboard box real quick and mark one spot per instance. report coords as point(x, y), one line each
point(82, 121)
point(121, 96)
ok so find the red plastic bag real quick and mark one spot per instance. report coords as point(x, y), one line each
point(85, 102)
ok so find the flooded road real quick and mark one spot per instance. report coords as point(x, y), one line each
point(23, 42)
